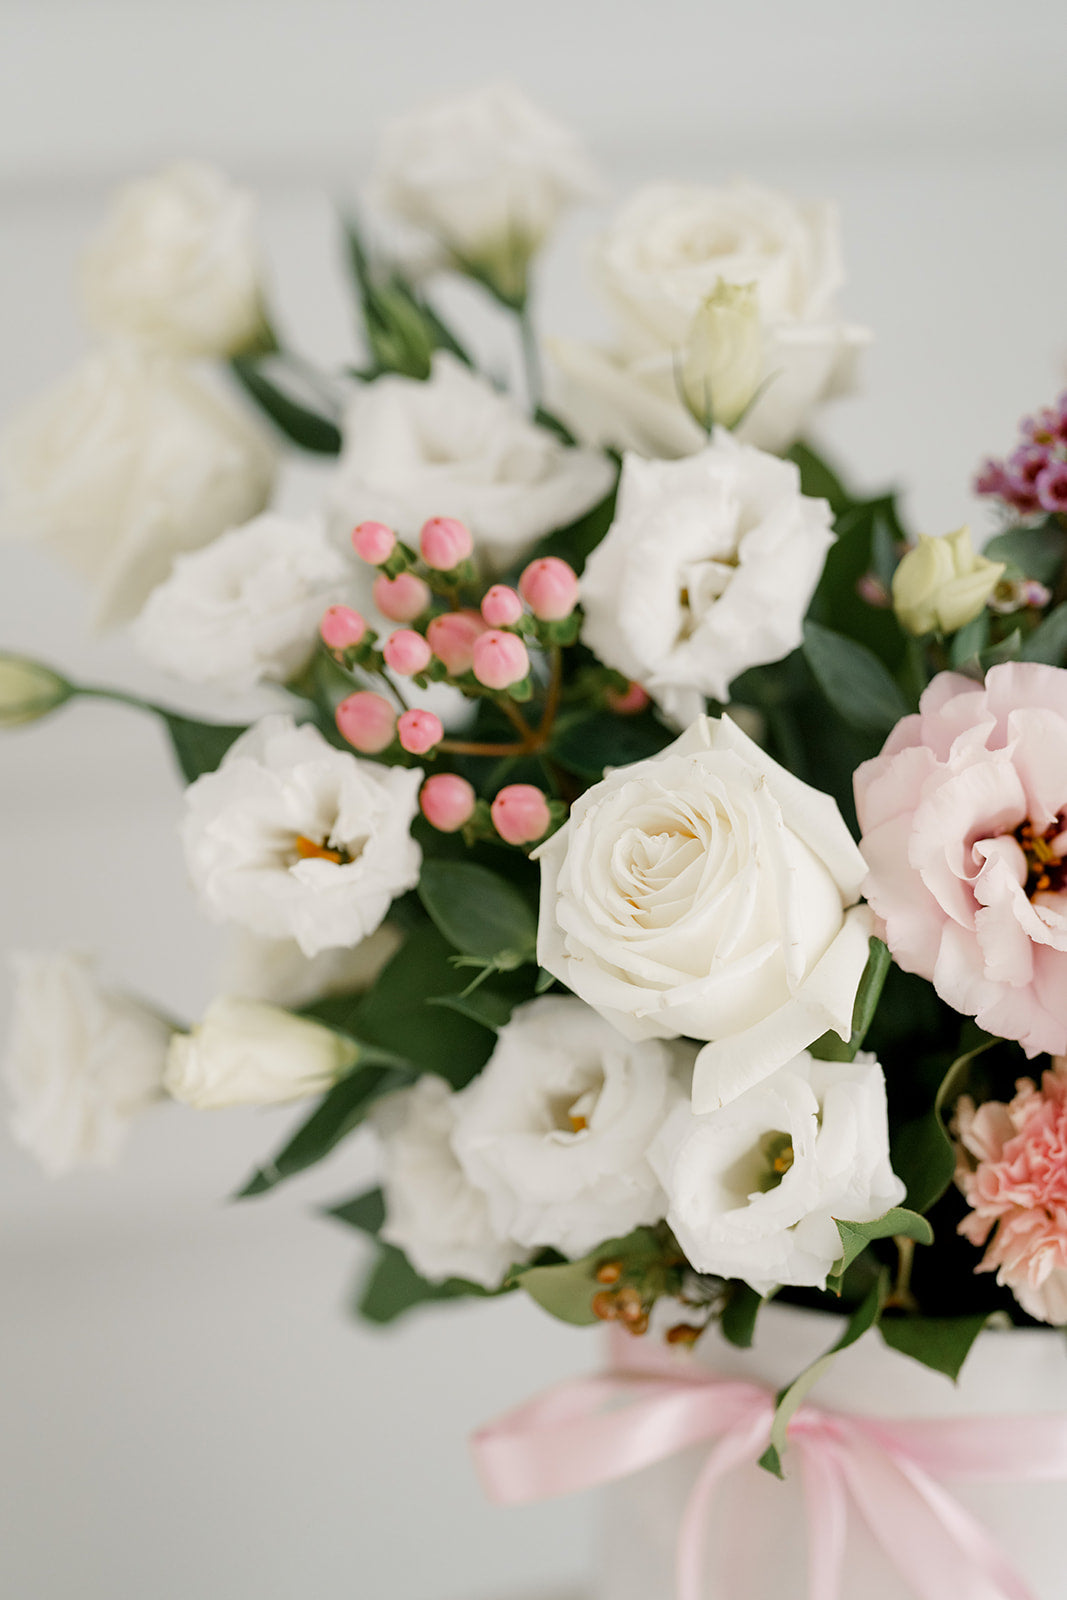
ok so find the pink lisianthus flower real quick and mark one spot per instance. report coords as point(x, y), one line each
point(964, 821)
point(1013, 1174)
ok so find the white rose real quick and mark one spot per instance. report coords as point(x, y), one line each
point(486, 173)
point(708, 569)
point(82, 1062)
point(707, 892)
point(755, 1187)
point(557, 1126)
point(246, 1053)
point(295, 839)
point(432, 1210)
point(176, 266)
point(454, 446)
point(247, 608)
point(657, 264)
point(277, 970)
point(126, 463)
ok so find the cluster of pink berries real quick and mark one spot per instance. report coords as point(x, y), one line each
point(1034, 477)
point(521, 813)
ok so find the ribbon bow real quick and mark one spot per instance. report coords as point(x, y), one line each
point(595, 1430)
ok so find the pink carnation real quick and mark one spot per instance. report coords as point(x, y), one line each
point(964, 819)
point(1013, 1173)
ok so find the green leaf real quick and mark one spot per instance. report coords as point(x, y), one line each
point(828, 1047)
point(942, 1343)
point(1038, 552)
point(299, 424)
point(394, 1287)
point(341, 1109)
point(587, 744)
point(566, 1288)
point(366, 1212)
point(738, 1321)
point(790, 1399)
point(1048, 642)
point(478, 912)
point(970, 640)
point(487, 1006)
point(818, 479)
point(857, 685)
point(402, 329)
point(923, 1154)
point(868, 540)
point(856, 1236)
point(200, 746)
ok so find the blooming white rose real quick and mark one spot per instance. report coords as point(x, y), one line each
point(277, 970)
point(663, 256)
point(176, 266)
point(756, 1186)
point(488, 174)
point(247, 608)
point(295, 839)
point(246, 1053)
point(81, 1064)
point(454, 446)
point(708, 892)
point(433, 1212)
point(124, 464)
point(708, 569)
point(557, 1126)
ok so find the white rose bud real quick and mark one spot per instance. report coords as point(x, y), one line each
point(245, 1053)
point(176, 265)
point(127, 462)
point(28, 690)
point(942, 583)
point(707, 892)
point(722, 367)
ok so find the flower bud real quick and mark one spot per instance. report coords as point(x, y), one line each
point(501, 607)
point(447, 801)
point(722, 365)
point(342, 628)
point(629, 701)
point(941, 583)
point(444, 543)
point(373, 542)
point(451, 637)
point(500, 659)
point(246, 1053)
point(28, 690)
point(402, 598)
point(406, 652)
point(367, 721)
point(520, 813)
point(550, 588)
point(419, 731)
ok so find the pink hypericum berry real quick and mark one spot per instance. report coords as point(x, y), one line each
point(444, 543)
point(373, 542)
point(520, 813)
point(447, 801)
point(402, 598)
point(418, 731)
point(550, 588)
point(406, 652)
point(367, 721)
point(501, 607)
point(629, 701)
point(500, 659)
point(451, 637)
point(342, 628)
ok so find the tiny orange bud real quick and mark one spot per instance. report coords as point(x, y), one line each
point(630, 1304)
point(609, 1272)
point(604, 1307)
point(683, 1333)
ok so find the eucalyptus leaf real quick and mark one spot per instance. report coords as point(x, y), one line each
point(857, 684)
point(394, 1287)
point(1048, 642)
point(478, 912)
point(856, 1236)
point(200, 746)
point(942, 1343)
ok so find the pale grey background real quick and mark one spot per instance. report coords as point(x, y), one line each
point(184, 1408)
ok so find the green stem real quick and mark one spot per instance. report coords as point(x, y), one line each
point(92, 691)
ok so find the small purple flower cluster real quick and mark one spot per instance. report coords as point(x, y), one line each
point(1034, 476)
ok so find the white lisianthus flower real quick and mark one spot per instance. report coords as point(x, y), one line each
point(708, 569)
point(278, 971)
point(707, 892)
point(433, 1212)
point(176, 265)
point(755, 1187)
point(246, 1053)
point(82, 1062)
point(487, 174)
point(556, 1128)
point(247, 608)
point(126, 463)
point(658, 263)
point(453, 446)
point(294, 839)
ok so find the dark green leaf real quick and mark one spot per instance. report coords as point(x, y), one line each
point(487, 1006)
point(199, 746)
point(969, 642)
point(1038, 552)
point(402, 329)
point(818, 479)
point(566, 1289)
point(366, 1212)
point(857, 685)
point(299, 424)
point(856, 1236)
point(828, 1047)
point(394, 1287)
point(1048, 642)
point(942, 1343)
point(586, 745)
point(1006, 649)
point(867, 542)
point(923, 1154)
point(739, 1315)
point(478, 912)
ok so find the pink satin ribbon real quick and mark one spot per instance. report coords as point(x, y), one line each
point(598, 1429)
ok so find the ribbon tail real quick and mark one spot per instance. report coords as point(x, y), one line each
point(827, 1515)
point(741, 1444)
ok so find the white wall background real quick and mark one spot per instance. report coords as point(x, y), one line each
point(184, 1407)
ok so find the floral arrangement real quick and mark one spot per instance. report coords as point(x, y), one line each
point(663, 853)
